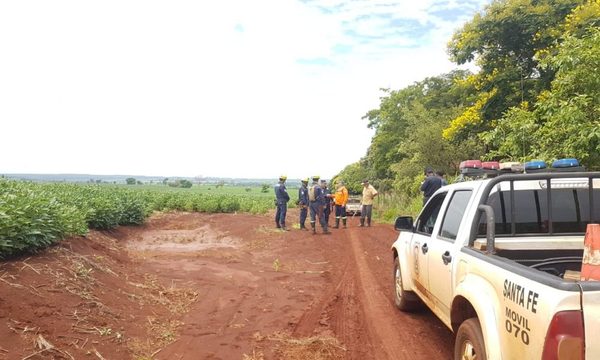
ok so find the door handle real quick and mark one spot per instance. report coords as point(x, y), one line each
point(446, 257)
point(424, 249)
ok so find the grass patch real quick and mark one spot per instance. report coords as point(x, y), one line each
point(254, 356)
point(160, 335)
point(310, 348)
point(177, 300)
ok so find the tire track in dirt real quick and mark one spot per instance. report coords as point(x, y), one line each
point(327, 307)
point(349, 317)
point(376, 307)
point(337, 312)
point(419, 334)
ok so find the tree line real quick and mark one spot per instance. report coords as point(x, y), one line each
point(536, 96)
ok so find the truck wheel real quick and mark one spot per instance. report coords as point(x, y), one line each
point(469, 343)
point(404, 300)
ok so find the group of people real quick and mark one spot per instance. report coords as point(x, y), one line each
point(318, 201)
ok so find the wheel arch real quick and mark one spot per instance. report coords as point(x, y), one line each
point(461, 311)
point(475, 297)
point(398, 255)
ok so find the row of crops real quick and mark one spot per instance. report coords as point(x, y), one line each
point(34, 215)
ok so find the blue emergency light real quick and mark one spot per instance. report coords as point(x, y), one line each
point(568, 165)
point(565, 163)
point(534, 166)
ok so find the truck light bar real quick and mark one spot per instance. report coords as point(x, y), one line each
point(566, 183)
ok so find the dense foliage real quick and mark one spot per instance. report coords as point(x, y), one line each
point(34, 216)
point(536, 95)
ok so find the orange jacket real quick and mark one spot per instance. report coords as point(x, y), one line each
point(341, 196)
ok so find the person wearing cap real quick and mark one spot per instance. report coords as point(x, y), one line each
point(430, 185)
point(340, 199)
point(368, 195)
point(281, 200)
point(328, 196)
point(303, 203)
point(316, 201)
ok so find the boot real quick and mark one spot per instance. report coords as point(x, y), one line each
point(344, 222)
point(303, 227)
point(337, 223)
point(362, 222)
point(369, 222)
point(325, 231)
point(314, 229)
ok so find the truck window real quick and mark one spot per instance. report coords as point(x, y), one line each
point(454, 214)
point(570, 211)
point(426, 221)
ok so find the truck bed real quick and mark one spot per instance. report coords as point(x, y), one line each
point(557, 256)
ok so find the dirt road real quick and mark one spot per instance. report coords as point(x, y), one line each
point(225, 286)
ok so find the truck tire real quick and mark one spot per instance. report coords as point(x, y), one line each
point(469, 344)
point(404, 300)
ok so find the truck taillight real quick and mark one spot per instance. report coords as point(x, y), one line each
point(564, 339)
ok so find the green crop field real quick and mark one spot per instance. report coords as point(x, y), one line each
point(36, 215)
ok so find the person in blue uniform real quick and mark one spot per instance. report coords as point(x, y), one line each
point(430, 185)
point(328, 196)
point(316, 199)
point(281, 200)
point(303, 203)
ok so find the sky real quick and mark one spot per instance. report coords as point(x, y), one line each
point(227, 88)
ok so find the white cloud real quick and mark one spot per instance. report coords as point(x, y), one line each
point(215, 88)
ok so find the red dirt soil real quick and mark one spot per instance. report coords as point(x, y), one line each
point(224, 286)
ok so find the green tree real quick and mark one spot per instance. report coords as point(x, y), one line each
point(570, 112)
point(130, 181)
point(408, 134)
point(353, 175)
point(389, 122)
point(504, 41)
point(514, 137)
point(564, 121)
point(185, 183)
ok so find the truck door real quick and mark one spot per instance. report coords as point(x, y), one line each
point(425, 227)
point(442, 252)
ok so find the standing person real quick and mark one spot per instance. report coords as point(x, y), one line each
point(281, 200)
point(316, 201)
point(368, 194)
point(303, 203)
point(440, 174)
point(430, 185)
point(328, 196)
point(340, 198)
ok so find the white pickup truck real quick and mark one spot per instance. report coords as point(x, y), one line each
point(497, 260)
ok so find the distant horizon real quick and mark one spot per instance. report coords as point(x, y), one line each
point(99, 176)
point(140, 175)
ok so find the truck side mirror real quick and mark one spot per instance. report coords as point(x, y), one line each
point(404, 223)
